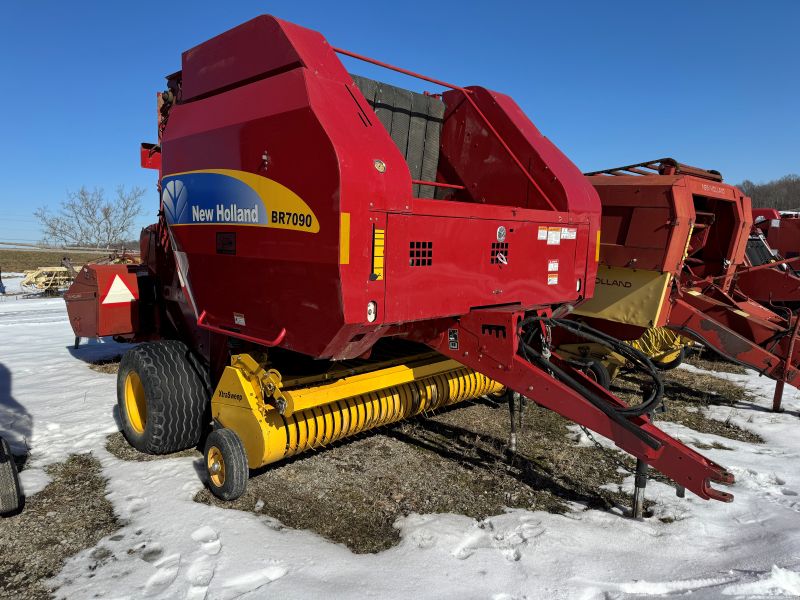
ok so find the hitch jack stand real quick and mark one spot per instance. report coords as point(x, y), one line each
point(512, 410)
point(516, 406)
point(778, 397)
point(640, 482)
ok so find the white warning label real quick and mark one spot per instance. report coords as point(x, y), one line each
point(553, 236)
point(569, 233)
point(552, 264)
point(542, 232)
point(552, 279)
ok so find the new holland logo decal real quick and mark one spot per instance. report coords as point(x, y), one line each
point(231, 197)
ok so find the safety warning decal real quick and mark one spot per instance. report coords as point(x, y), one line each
point(553, 236)
point(569, 233)
point(118, 293)
point(552, 279)
point(542, 232)
point(552, 264)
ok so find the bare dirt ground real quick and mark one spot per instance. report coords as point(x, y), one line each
point(70, 514)
point(17, 261)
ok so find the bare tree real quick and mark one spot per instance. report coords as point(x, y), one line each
point(87, 218)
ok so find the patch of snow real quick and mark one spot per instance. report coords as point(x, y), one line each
point(173, 547)
point(11, 282)
point(777, 582)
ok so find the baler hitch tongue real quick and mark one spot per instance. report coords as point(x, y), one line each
point(570, 393)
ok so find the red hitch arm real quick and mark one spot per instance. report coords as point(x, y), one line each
point(487, 340)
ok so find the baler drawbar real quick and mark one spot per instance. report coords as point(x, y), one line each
point(334, 254)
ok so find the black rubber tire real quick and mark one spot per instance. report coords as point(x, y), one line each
point(674, 363)
point(599, 372)
point(177, 397)
point(10, 493)
point(235, 460)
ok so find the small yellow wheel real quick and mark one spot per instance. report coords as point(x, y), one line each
point(226, 464)
point(215, 464)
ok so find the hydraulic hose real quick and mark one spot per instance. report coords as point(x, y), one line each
point(636, 357)
point(607, 409)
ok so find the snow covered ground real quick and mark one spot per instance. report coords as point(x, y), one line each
point(748, 549)
point(11, 282)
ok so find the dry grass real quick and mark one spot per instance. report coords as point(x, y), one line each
point(110, 366)
point(117, 445)
point(17, 261)
point(686, 395)
point(711, 361)
point(70, 514)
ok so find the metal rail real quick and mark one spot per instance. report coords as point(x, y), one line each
point(435, 184)
point(660, 166)
point(248, 338)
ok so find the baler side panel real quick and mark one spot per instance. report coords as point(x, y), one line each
point(441, 266)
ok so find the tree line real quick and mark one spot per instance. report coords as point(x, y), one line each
point(782, 194)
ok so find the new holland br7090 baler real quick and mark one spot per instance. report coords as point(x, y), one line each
point(334, 254)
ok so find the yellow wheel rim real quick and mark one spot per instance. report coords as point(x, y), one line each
point(216, 466)
point(135, 402)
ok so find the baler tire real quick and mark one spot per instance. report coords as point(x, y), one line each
point(10, 492)
point(597, 371)
point(672, 364)
point(168, 392)
point(230, 481)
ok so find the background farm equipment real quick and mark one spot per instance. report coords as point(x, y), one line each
point(767, 277)
point(781, 229)
point(673, 245)
point(396, 272)
point(47, 280)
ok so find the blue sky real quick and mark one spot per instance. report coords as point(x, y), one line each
point(711, 83)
